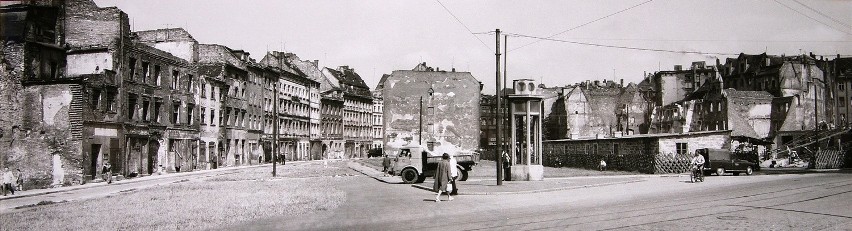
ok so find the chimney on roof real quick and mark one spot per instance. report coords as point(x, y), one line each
point(812, 54)
point(454, 69)
point(437, 69)
point(316, 62)
point(621, 82)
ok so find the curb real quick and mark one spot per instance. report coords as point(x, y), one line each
point(536, 191)
point(370, 172)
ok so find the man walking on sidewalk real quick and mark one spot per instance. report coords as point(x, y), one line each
point(8, 180)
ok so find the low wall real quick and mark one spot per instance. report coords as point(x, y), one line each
point(656, 153)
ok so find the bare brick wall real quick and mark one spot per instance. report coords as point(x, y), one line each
point(89, 25)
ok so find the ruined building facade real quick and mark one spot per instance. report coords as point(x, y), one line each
point(80, 89)
point(437, 109)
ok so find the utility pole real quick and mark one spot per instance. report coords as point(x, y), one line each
point(275, 126)
point(502, 91)
point(420, 131)
point(499, 154)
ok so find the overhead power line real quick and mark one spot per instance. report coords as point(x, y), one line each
point(812, 18)
point(619, 47)
point(711, 40)
point(465, 26)
point(584, 24)
point(824, 15)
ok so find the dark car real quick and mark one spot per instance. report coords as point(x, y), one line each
point(375, 152)
point(723, 161)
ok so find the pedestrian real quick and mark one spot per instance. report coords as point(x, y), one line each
point(106, 172)
point(8, 180)
point(602, 165)
point(454, 171)
point(20, 181)
point(442, 178)
point(386, 162)
point(507, 166)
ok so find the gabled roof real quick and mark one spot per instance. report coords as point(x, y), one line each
point(278, 61)
point(647, 84)
point(422, 67)
point(348, 76)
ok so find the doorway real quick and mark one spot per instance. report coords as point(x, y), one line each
point(95, 155)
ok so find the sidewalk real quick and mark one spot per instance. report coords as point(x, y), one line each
point(38, 192)
point(489, 186)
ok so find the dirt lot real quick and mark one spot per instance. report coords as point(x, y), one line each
point(199, 204)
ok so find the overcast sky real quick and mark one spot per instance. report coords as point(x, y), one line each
point(379, 36)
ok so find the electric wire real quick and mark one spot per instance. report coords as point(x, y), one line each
point(812, 18)
point(465, 26)
point(584, 24)
point(619, 47)
point(824, 15)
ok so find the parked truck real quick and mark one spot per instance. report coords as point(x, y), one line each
point(415, 163)
point(722, 161)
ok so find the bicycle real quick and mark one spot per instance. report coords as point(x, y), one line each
point(697, 174)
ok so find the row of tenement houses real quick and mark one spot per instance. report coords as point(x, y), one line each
point(760, 103)
point(79, 89)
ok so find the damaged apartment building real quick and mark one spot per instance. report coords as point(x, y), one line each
point(80, 89)
point(298, 101)
point(594, 109)
point(41, 118)
point(357, 110)
point(430, 107)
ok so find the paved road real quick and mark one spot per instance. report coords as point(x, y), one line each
point(775, 202)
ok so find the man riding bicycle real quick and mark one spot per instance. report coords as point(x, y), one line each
point(698, 164)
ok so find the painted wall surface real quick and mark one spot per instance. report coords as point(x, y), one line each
point(183, 50)
point(89, 63)
point(451, 114)
point(668, 145)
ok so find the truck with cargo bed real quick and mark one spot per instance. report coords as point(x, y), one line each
point(415, 163)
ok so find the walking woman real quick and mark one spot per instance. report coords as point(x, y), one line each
point(442, 177)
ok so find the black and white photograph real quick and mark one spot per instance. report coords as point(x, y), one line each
point(425, 115)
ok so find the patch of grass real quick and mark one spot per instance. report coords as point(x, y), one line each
point(194, 205)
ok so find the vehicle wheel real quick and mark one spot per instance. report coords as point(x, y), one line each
point(421, 179)
point(409, 176)
point(693, 177)
point(462, 175)
point(720, 171)
point(749, 171)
